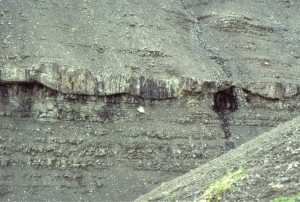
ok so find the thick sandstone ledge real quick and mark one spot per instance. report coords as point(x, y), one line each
point(68, 80)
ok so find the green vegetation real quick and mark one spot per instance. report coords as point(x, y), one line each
point(292, 198)
point(223, 185)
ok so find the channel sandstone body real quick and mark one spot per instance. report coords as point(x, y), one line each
point(68, 80)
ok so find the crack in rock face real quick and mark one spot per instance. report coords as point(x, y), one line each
point(225, 103)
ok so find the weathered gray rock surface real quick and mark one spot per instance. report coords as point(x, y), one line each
point(94, 47)
point(210, 76)
point(264, 181)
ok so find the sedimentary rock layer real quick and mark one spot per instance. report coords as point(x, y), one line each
point(68, 80)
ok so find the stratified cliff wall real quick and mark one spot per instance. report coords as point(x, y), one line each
point(99, 99)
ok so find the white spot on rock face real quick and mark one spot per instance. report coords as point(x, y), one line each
point(141, 109)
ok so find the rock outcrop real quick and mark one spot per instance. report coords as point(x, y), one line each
point(209, 76)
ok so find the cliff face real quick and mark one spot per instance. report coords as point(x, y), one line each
point(48, 90)
point(186, 123)
point(74, 76)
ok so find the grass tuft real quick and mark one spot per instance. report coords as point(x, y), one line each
point(216, 190)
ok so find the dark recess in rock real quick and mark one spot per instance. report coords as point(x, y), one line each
point(224, 104)
point(225, 100)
